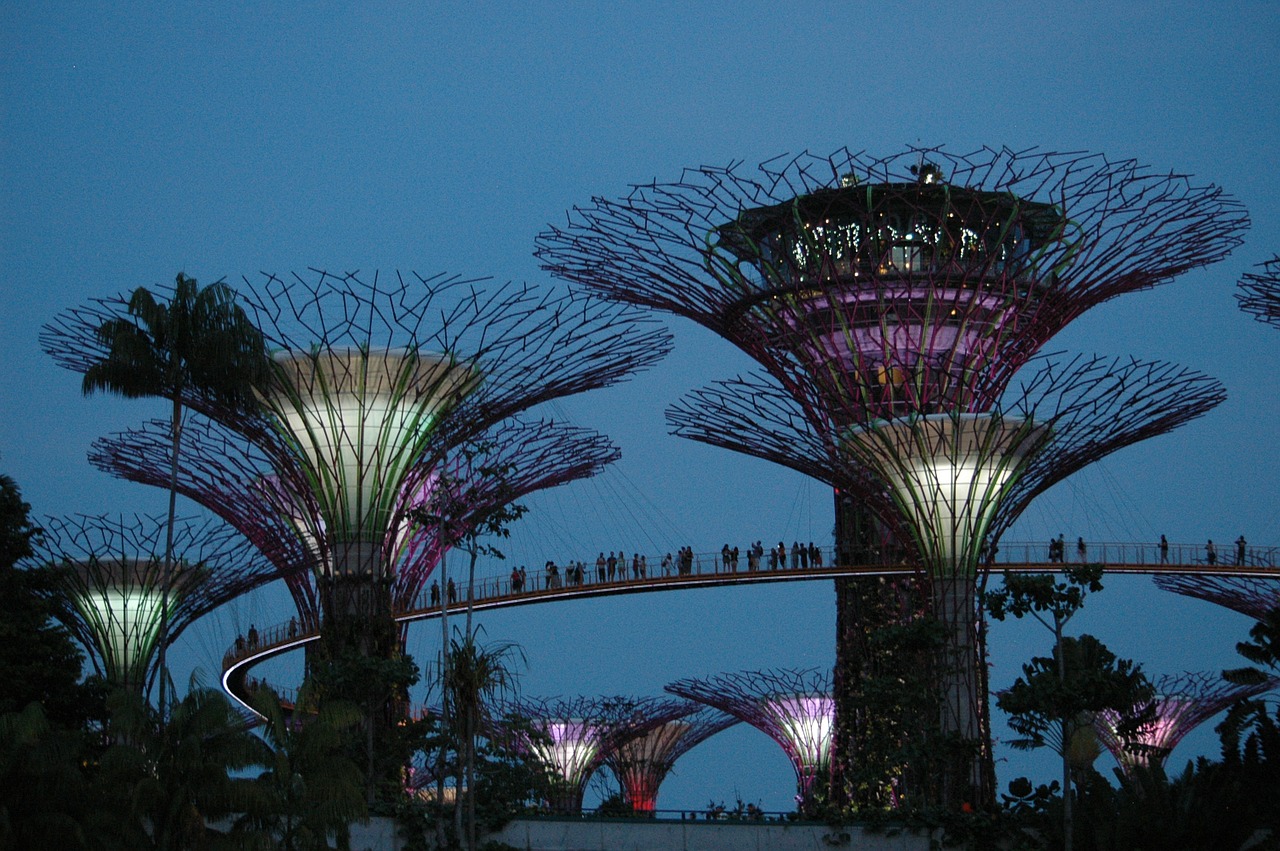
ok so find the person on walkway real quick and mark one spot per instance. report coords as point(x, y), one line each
point(600, 565)
point(515, 580)
point(1164, 550)
point(293, 627)
point(1241, 546)
point(1080, 549)
point(1211, 553)
point(253, 636)
point(524, 578)
point(724, 558)
point(612, 563)
point(667, 562)
point(435, 593)
point(795, 555)
point(452, 590)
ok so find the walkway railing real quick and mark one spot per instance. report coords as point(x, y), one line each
point(703, 569)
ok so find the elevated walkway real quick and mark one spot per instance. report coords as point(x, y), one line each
point(708, 570)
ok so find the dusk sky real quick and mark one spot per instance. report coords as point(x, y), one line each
point(140, 140)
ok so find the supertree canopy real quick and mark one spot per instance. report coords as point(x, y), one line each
point(222, 470)
point(1259, 293)
point(891, 302)
point(642, 763)
point(794, 708)
point(917, 282)
point(1181, 704)
point(571, 738)
point(374, 385)
point(1253, 596)
point(110, 584)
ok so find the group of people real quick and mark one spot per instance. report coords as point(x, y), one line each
point(1211, 551)
point(1058, 549)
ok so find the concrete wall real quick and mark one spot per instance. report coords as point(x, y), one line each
point(547, 835)
point(628, 835)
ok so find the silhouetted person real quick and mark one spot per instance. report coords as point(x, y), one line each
point(1210, 553)
point(1241, 545)
point(1164, 550)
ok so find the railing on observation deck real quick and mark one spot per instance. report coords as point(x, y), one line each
point(704, 566)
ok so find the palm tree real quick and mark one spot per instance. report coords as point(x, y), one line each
point(200, 343)
point(311, 789)
point(479, 676)
point(167, 780)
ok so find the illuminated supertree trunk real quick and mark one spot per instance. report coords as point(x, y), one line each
point(879, 288)
point(951, 484)
point(1182, 703)
point(109, 576)
point(794, 708)
point(642, 763)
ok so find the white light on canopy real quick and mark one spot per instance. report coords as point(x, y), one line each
point(948, 472)
point(572, 748)
point(122, 603)
point(359, 420)
point(807, 721)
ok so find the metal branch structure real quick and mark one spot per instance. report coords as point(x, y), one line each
point(794, 708)
point(1182, 703)
point(376, 382)
point(643, 762)
point(890, 303)
point(109, 575)
point(1259, 294)
point(571, 738)
point(1247, 595)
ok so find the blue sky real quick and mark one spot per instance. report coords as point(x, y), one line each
point(139, 140)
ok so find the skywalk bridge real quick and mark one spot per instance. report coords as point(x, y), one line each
point(708, 570)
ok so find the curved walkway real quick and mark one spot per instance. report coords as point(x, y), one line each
point(711, 570)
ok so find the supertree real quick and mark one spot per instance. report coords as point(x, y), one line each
point(222, 470)
point(642, 763)
point(890, 302)
point(794, 708)
point(1259, 294)
point(109, 584)
point(1182, 703)
point(1248, 595)
point(570, 738)
point(375, 384)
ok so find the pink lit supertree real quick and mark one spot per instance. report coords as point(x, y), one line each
point(890, 302)
point(643, 762)
point(571, 738)
point(109, 584)
point(794, 708)
point(1181, 704)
